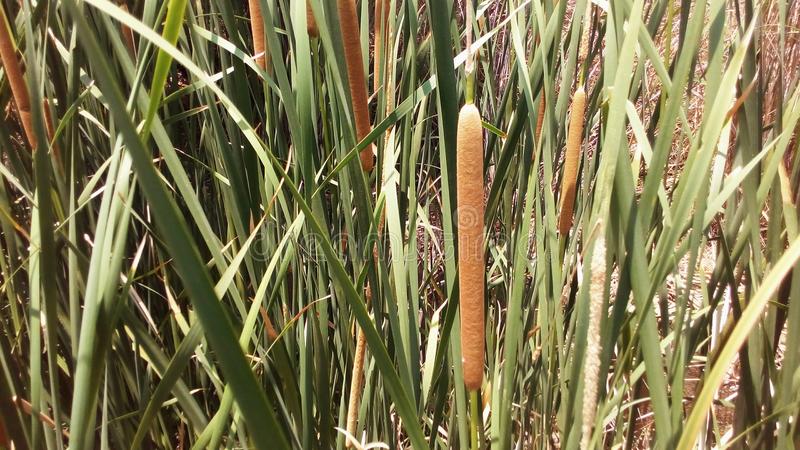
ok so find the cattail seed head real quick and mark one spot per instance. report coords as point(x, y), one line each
point(540, 120)
point(272, 333)
point(311, 22)
point(13, 71)
point(348, 20)
point(355, 385)
point(591, 365)
point(571, 159)
point(257, 28)
point(51, 129)
point(358, 372)
point(471, 266)
point(127, 34)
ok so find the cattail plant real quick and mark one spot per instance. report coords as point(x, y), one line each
point(572, 152)
point(311, 22)
point(572, 155)
point(13, 72)
point(257, 28)
point(348, 20)
point(591, 365)
point(469, 216)
point(361, 348)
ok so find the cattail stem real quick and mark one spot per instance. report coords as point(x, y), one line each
point(257, 28)
point(348, 20)
point(591, 365)
point(473, 425)
point(471, 266)
point(571, 159)
point(311, 22)
point(19, 90)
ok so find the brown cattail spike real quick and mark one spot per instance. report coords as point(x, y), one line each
point(571, 158)
point(51, 129)
point(257, 27)
point(272, 333)
point(471, 266)
point(13, 72)
point(127, 34)
point(540, 120)
point(355, 385)
point(348, 20)
point(311, 22)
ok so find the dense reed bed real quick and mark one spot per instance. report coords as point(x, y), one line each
point(401, 224)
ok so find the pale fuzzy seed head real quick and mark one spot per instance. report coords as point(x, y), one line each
point(598, 268)
point(591, 365)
